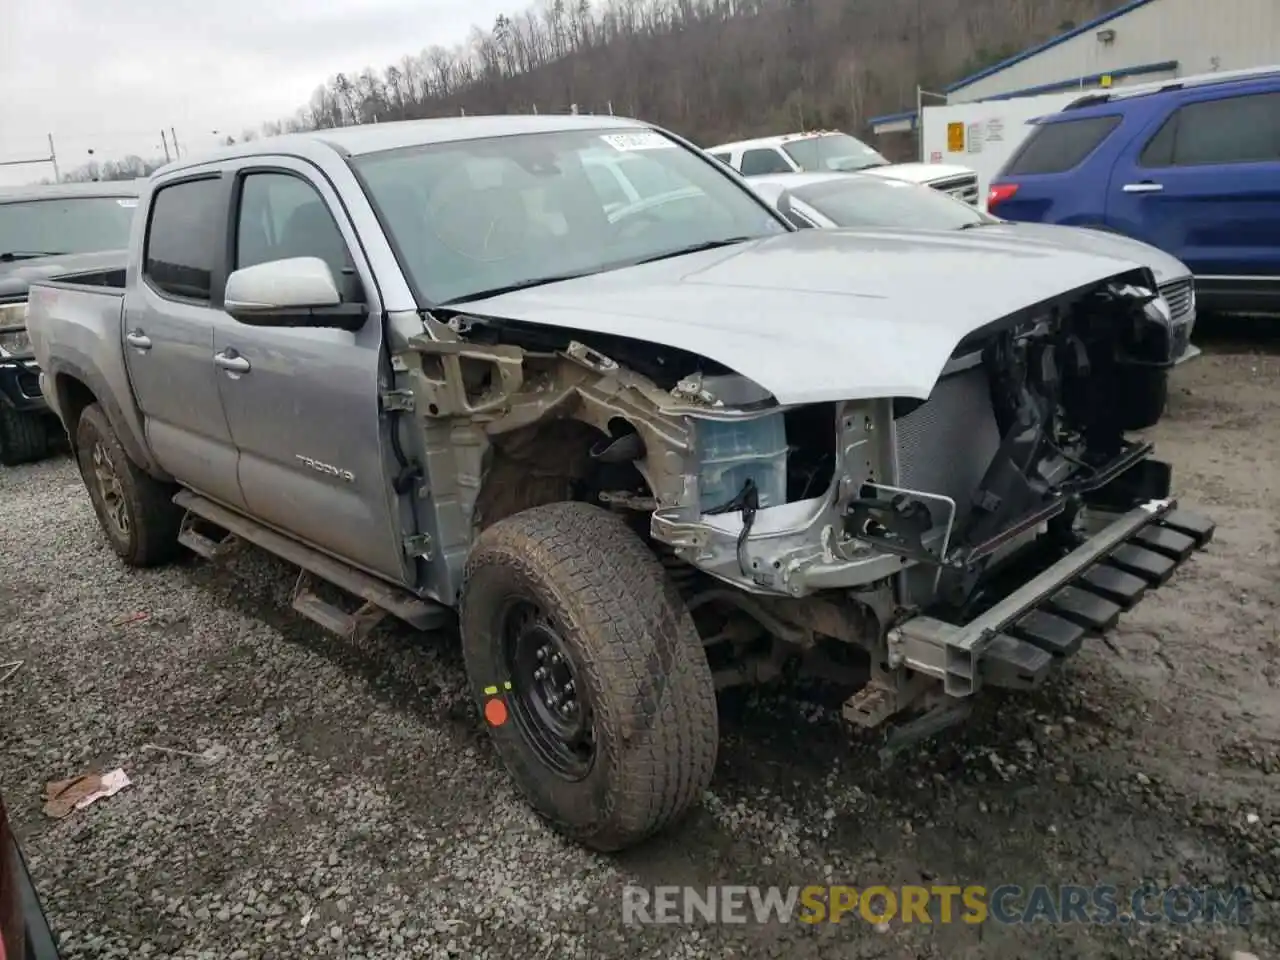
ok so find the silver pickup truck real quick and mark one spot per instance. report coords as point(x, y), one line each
point(645, 451)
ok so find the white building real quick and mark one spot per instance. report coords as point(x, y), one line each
point(1141, 41)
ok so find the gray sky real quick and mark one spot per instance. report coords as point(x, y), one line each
point(108, 75)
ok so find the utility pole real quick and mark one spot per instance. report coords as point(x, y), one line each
point(174, 134)
point(51, 158)
point(165, 140)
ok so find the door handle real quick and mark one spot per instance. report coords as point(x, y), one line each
point(136, 338)
point(1146, 186)
point(231, 361)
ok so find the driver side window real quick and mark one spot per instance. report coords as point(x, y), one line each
point(282, 216)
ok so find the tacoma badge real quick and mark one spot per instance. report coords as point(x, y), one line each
point(346, 475)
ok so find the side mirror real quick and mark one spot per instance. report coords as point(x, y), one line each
point(297, 292)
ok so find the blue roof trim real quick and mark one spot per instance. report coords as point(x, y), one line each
point(893, 117)
point(1048, 44)
point(1057, 87)
point(1093, 78)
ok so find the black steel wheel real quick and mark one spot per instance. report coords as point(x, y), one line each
point(548, 703)
point(590, 673)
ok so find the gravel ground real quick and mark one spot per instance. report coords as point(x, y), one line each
point(356, 808)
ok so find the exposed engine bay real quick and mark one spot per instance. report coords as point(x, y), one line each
point(795, 526)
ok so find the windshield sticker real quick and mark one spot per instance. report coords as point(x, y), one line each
point(644, 140)
point(128, 202)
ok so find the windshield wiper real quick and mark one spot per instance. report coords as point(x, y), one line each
point(10, 255)
point(543, 281)
point(695, 248)
point(512, 287)
point(974, 224)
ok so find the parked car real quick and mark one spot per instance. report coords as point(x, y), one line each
point(822, 151)
point(645, 453)
point(853, 200)
point(1190, 165)
point(24, 930)
point(46, 231)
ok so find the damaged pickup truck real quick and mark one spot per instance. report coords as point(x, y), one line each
point(645, 452)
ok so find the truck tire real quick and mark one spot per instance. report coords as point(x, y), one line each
point(136, 511)
point(565, 601)
point(24, 437)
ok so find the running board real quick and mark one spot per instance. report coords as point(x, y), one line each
point(202, 544)
point(378, 598)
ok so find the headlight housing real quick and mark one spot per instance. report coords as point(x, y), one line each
point(13, 330)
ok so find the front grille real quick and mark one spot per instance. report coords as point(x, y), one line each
point(1180, 295)
point(962, 188)
point(945, 447)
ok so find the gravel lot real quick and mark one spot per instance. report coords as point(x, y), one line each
point(358, 810)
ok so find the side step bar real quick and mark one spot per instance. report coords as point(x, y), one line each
point(379, 598)
point(1017, 642)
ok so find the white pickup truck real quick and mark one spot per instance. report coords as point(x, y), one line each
point(825, 151)
point(646, 449)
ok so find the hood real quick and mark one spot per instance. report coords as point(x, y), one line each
point(817, 315)
point(919, 172)
point(1165, 266)
point(17, 276)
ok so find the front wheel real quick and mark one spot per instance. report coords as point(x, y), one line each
point(136, 511)
point(591, 673)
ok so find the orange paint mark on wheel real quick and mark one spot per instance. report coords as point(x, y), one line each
point(495, 711)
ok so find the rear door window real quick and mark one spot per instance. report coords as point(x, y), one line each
point(1061, 145)
point(1244, 129)
point(183, 238)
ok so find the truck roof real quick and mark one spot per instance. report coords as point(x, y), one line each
point(374, 137)
point(55, 191)
point(776, 141)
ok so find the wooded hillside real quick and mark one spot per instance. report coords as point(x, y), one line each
point(710, 69)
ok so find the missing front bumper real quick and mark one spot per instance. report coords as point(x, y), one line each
point(1016, 643)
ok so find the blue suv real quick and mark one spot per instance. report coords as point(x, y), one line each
point(1189, 165)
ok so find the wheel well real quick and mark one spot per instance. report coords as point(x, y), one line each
point(73, 397)
point(546, 463)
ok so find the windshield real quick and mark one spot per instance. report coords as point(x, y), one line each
point(475, 216)
point(833, 151)
point(66, 225)
point(878, 202)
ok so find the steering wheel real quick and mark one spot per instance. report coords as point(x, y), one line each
point(625, 225)
point(487, 226)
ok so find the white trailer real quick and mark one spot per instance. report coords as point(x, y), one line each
point(983, 135)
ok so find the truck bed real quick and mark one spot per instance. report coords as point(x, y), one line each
point(83, 315)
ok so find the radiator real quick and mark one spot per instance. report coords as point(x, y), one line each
point(945, 447)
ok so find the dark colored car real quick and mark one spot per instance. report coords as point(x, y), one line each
point(24, 931)
point(1189, 165)
point(47, 231)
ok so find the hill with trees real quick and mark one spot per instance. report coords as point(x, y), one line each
point(712, 70)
